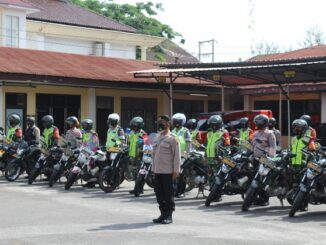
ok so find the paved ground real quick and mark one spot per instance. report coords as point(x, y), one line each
point(39, 215)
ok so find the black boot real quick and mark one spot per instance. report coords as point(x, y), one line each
point(168, 218)
point(160, 218)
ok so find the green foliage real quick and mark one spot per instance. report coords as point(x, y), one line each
point(140, 16)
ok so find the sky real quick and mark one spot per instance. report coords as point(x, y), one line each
point(282, 22)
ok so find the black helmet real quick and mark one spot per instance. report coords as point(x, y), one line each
point(261, 121)
point(307, 118)
point(14, 120)
point(136, 123)
point(72, 121)
point(30, 121)
point(47, 121)
point(244, 122)
point(192, 123)
point(215, 121)
point(87, 124)
point(299, 126)
point(271, 123)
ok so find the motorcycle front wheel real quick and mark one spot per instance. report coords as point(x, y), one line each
point(13, 171)
point(32, 177)
point(109, 180)
point(297, 204)
point(71, 180)
point(55, 176)
point(249, 198)
point(214, 193)
point(139, 185)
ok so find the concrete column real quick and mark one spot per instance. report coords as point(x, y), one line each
point(246, 102)
point(92, 105)
point(117, 104)
point(31, 103)
point(2, 109)
point(143, 53)
point(323, 107)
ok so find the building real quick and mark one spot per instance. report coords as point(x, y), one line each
point(57, 58)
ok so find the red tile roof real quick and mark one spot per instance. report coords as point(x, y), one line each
point(19, 3)
point(315, 51)
point(55, 64)
point(58, 11)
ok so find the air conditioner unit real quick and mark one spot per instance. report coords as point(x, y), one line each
point(98, 49)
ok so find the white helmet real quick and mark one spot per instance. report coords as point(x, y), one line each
point(179, 118)
point(113, 119)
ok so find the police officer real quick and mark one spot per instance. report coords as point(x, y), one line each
point(277, 133)
point(216, 134)
point(300, 142)
point(263, 141)
point(115, 134)
point(310, 132)
point(50, 133)
point(166, 167)
point(244, 132)
point(15, 133)
point(194, 132)
point(136, 140)
point(32, 133)
point(73, 134)
point(178, 121)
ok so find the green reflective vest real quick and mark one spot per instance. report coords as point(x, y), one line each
point(11, 136)
point(133, 143)
point(181, 136)
point(193, 134)
point(244, 134)
point(212, 139)
point(113, 134)
point(297, 146)
point(48, 136)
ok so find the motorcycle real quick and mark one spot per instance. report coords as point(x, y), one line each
point(273, 178)
point(312, 185)
point(88, 166)
point(66, 163)
point(145, 174)
point(23, 161)
point(121, 168)
point(234, 175)
point(7, 151)
point(44, 165)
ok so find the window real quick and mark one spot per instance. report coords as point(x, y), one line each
point(191, 108)
point(12, 31)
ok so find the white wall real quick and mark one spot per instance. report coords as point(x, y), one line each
point(34, 41)
point(68, 45)
point(122, 51)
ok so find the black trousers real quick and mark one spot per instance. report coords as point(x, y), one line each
point(164, 191)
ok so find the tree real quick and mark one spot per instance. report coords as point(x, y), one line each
point(314, 36)
point(140, 16)
point(266, 48)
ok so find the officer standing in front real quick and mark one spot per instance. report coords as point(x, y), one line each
point(166, 167)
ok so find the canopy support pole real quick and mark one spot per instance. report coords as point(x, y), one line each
point(280, 109)
point(289, 116)
point(171, 95)
point(222, 98)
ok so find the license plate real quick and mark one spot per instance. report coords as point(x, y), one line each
point(76, 170)
point(113, 156)
point(263, 171)
point(143, 171)
point(114, 149)
point(314, 167)
point(266, 162)
point(229, 162)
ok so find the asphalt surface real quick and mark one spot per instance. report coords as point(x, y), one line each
point(39, 215)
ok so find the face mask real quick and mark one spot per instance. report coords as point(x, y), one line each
point(161, 126)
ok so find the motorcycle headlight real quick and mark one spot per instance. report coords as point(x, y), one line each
point(263, 171)
point(147, 159)
point(113, 156)
point(20, 152)
point(311, 174)
point(225, 168)
point(82, 158)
